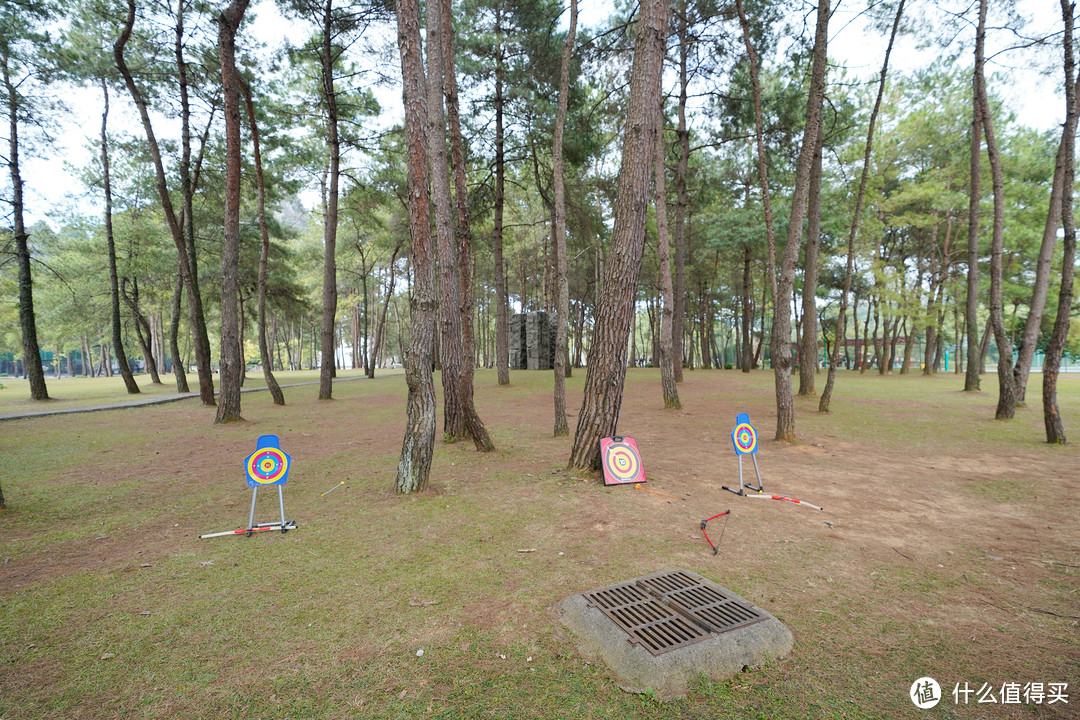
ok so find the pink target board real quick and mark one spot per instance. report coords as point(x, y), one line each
point(621, 461)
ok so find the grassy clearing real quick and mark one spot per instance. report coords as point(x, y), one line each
point(952, 532)
point(81, 392)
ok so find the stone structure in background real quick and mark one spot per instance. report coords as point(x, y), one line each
point(532, 341)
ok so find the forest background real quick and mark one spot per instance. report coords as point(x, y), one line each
point(920, 292)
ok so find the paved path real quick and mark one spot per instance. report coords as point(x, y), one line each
point(157, 400)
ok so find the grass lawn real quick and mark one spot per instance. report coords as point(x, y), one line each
point(954, 552)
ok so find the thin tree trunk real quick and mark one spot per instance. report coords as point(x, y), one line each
point(35, 373)
point(1006, 406)
point(414, 465)
point(1044, 267)
point(114, 285)
point(602, 400)
point(327, 369)
point(186, 259)
point(1055, 428)
point(502, 321)
point(142, 332)
point(683, 203)
point(808, 341)
point(972, 381)
point(264, 252)
point(380, 326)
point(668, 384)
point(781, 331)
point(562, 297)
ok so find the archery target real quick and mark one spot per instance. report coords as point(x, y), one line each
point(621, 461)
point(744, 437)
point(268, 465)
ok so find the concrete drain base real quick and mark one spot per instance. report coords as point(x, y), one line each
point(705, 645)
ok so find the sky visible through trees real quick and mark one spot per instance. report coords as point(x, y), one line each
point(852, 43)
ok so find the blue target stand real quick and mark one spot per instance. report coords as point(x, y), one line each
point(744, 438)
point(267, 466)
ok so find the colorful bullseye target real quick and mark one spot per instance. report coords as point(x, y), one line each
point(744, 436)
point(268, 465)
point(621, 461)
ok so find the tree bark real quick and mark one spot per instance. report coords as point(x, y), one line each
point(231, 358)
point(186, 259)
point(502, 321)
point(781, 330)
point(114, 285)
point(35, 373)
point(668, 385)
point(562, 296)
point(599, 414)
point(808, 341)
point(1006, 406)
point(449, 287)
point(414, 465)
point(463, 237)
point(972, 381)
point(1055, 428)
point(264, 252)
point(683, 202)
point(327, 368)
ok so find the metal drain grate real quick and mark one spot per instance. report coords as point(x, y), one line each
point(700, 600)
point(671, 609)
point(645, 619)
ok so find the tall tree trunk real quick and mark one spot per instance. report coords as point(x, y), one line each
point(414, 465)
point(1006, 407)
point(763, 162)
point(35, 373)
point(1055, 428)
point(599, 414)
point(186, 259)
point(781, 331)
point(972, 381)
point(264, 252)
point(449, 287)
point(668, 385)
point(231, 358)
point(474, 426)
point(327, 369)
point(562, 296)
point(683, 203)
point(502, 321)
point(808, 341)
point(114, 285)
